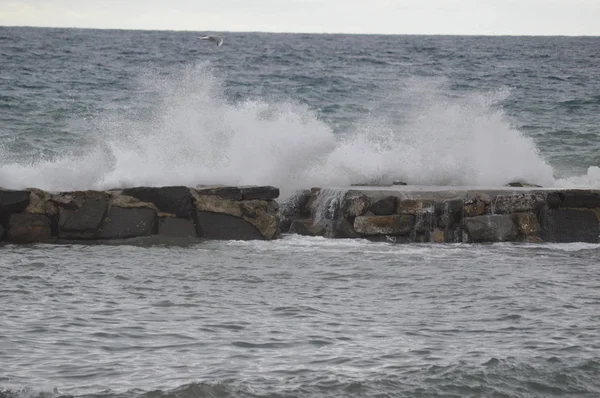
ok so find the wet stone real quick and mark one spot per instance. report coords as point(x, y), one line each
point(259, 193)
point(176, 227)
point(29, 228)
point(491, 228)
point(306, 227)
point(384, 207)
point(569, 225)
point(122, 223)
point(84, 222)
point(173, 199)
point(222, 226)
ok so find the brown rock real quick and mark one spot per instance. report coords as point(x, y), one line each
point(527, 223)
point(437, 236)
point(29, 228)
point(355, 205)
point(474, 208)
point(415, 206)
point(384, 225)
point(41, 203)
point(262, 214)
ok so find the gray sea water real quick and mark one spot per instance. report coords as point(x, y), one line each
point(301, 316)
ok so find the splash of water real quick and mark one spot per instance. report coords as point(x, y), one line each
point(191, 135)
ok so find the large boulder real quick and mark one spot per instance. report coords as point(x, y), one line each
point(569, 225)
point(84, 221)
point(175, 200)
point(449, 212)
point(415, 206)
point(574, 198)
point(29, 228)
point(13, 201)
point(294, 207)
point(384, 206)
point(210, 225)
point(355, 205)
point(259, 192)
point(122, 223)
point(384, 225)
point(176, 227)
point(262, 214)
point(491, 228)
point(41, 203)
point(518, 203)
point(223, 192)
point(527, 224)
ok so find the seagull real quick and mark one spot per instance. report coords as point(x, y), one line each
point(216, 39)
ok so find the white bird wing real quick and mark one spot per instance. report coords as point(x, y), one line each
point(217, 40)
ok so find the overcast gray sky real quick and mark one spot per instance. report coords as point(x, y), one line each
point(495, 17)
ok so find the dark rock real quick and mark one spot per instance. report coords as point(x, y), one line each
point(1, 233)
point(519, 203)
point(223, 226)
point(84, 222)
point(491, 228)
point(259, 193)
point(13, 201)
point(384, 207)
point(396, 182)
point(342, 229)
point(296, 206)
point(527, 224)
point(175, 200)
point(176, 227)
point(424, 221)
point(474, 207)
point(384, 225)
point(122, 223)
point(449, 212)
point(231, 193)
point(521, 184)
point(569, 225)
point(355, 205)
point(306, 227)
point(573, 198)
point(29, 228)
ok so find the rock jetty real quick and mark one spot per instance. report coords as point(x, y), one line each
point(398, 213)
point(208, 212)
point(445, 215)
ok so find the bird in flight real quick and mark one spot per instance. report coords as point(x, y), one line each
point(216, 39)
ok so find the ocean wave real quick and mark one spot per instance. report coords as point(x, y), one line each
point(495, 377)
point(191, 135)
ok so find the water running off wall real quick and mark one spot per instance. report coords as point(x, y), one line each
point(192, 135)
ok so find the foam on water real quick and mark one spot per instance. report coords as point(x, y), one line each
point(190, 134)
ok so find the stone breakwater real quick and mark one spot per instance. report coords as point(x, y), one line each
point(444, 215)
point(401, 214)
point(243, 213)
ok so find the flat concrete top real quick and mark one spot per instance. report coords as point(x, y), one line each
point(447, 192)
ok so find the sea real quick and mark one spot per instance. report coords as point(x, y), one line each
point(299, 316)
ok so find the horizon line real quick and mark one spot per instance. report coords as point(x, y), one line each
point(307, 33)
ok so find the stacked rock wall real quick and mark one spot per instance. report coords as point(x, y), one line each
point(33, 215)
point(522, 215)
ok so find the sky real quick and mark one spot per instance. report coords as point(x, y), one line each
point(469, 17)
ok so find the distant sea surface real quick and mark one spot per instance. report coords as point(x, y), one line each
point(297, 317)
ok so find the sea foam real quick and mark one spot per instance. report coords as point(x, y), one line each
point(181, 130)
